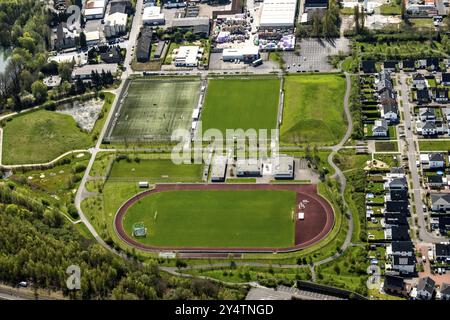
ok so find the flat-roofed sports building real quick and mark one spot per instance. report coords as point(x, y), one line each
point(284, 167)
point(278, 14)
point(249, 168)
point(219, 168)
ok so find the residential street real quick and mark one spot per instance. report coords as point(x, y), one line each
point(412, 154)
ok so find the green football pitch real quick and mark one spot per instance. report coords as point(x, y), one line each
point(153, 109)
point(212, 218)
point(157, 170)
point(241, 104)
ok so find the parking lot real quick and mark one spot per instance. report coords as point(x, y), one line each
point(314, 55)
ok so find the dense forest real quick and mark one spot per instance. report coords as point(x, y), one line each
point(37, 244)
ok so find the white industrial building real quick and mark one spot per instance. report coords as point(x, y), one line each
point(187, 56)
point(94, 9)
point(92, 37)
point(247, 54)
point(115, 24)
point(278, 14)
point(152, 16)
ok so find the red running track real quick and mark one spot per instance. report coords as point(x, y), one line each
point(318, 222)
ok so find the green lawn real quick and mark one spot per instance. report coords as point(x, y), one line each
point(390, 9)
point(434, 145)
point(313, 109)
point(256, 218)
point(41, 136)
point(241, 104)
point(386, 146)
point(158, 170)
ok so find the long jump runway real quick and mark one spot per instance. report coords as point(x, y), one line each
point(317, 223)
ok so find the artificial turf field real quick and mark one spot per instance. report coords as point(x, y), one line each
point(212, 218)
point(157, 170)
point(313, 109)
point(153, 109)
point(241, 104)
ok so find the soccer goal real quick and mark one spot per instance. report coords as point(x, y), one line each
point(139, 229)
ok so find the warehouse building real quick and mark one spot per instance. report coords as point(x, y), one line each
point(278, 14)
point(152, 16)
point(219, 168)
point(247, 55)
point(315, 4)
point(94, 9)
point(284, 167)
point(85, 72)
point(115, 24)
point(249, 168)
point(197, 25)
point(187, 56)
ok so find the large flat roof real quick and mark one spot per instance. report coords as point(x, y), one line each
point(278, 13)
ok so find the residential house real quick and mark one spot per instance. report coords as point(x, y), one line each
point(429, 129)
point(400, 206)
point(436, 181)
point(423, 96)
point(433, 64)
point(380, 128)
point(396, 184)
point(396, 172)
point(445, 79)
point(390, 65)
point(397, 233)
point(419, 81)
point(395, 219)
point(434, 160)
point(368, 66)
point(440, 95)
point(421, 64)
point(384, 82)
point(144, 45)
point(444, 291)
point(394, 285)
point(397, 195)
point(390, 112)
point(111, 55)
point(408, 65)
point(440, 202)
point(400, 248)
point(425, 288)
point(444, 225)
point(404, 265)
point(442, 252)
point(427, 114)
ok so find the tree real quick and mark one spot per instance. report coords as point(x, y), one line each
point(39, 90)
point(83, 43)
point(316, 32)
point(362, 18)
point(403, 11)
point(65, 71)
point(356, 15)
